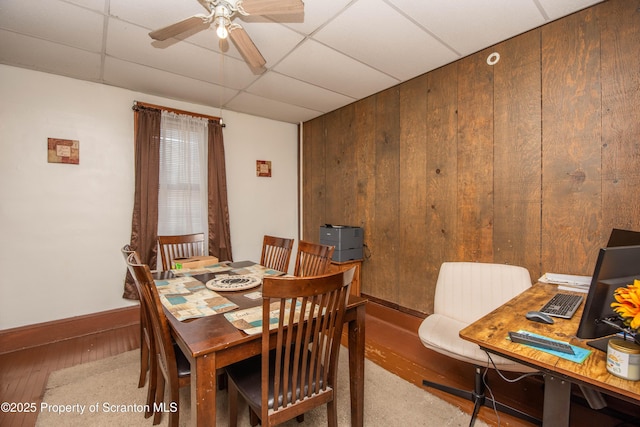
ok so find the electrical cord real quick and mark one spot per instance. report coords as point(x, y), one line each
point(509, 380)
point(525, 375)
point(486, 386)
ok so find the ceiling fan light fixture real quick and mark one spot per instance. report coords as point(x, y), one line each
point(221, 31)
point(220, 13)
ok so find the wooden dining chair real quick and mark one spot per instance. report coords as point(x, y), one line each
point(301, 372)
point(276, 253)
point(172, 367)
point(180, 246)
point(312, 259)
point(147, 348)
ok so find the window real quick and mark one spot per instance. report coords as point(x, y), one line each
point(182, 196)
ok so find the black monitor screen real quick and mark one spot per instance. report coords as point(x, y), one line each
point(621, 237)
point(616, 267)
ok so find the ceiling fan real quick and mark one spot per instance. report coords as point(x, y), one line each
point(221, 12)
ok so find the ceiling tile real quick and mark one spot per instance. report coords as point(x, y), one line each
point(322, 66)
point(157, 82)
point(41, 55)
point(55, 21)
point(282, 88)
point(253, 104)
point(472, 25)
point(556, 9)
point(317, 13)
point(98, 5)
point(155, 14)
point(408, 50)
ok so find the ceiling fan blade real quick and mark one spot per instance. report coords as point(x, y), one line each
point(271, 7)
point(179, 27)
point(247, 48)
point(205, 4)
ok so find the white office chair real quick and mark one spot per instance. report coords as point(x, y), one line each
point(466, 291)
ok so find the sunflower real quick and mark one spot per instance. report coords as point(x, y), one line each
point(627, 304)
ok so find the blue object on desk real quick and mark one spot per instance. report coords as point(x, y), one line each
point(580, 353)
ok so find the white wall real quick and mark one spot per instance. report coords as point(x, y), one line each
point(62, 226)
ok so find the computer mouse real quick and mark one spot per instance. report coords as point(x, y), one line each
point(537, 316)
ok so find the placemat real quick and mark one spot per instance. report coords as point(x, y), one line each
point(258, 270)
point(228, 266)
point(188, 298)
point(249, 320)
point(219, 267)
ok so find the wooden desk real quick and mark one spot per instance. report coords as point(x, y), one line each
point(490, 333)
point(212, 342)
point(356, 286)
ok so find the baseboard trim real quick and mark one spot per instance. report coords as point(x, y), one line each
point(395, 308)
point(63, 329)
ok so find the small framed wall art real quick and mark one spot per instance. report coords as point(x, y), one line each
point(263, 168)
point(63, 151)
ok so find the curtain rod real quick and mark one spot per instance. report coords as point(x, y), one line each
point(175, 110)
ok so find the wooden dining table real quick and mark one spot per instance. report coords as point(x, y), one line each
point(212, 342)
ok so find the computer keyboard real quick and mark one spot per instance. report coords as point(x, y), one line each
point(539, 342)
point(562, 305)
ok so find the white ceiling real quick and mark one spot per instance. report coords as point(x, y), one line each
point(344, 50)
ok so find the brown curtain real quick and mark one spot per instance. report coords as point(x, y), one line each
point(144, 224)
point(219, 231)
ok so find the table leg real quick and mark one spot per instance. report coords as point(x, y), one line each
point(203, 391)
point(356, 366)
point(557, 401)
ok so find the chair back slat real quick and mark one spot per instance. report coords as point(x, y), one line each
point(303, 366)
point(180, 246)
point(159, 324)
point(276, 253)
point(312, 259)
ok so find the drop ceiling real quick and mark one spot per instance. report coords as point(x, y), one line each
point(340, 52)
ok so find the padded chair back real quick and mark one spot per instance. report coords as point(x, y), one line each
point(312, 259)
point(466, 291)
point(181, 246)
point(301, 372)
point(276, 253)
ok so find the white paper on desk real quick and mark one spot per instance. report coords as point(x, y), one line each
point(570, 288)
point(566, 279)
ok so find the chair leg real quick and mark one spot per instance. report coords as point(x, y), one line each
point(332, 413)
point(222, 379)
point(144, 362)
point(174, 416)
point(254, 420)
point(157, 416)
point(478, 397)
point(151, 388)
point(232, 391)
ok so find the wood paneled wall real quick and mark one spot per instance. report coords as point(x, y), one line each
point(530, 161)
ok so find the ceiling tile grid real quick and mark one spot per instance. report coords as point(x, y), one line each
point(339, 51)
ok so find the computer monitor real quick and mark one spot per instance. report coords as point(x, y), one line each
point(620, 237)
point(615, 267)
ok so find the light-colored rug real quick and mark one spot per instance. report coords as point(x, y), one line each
point(106, 393)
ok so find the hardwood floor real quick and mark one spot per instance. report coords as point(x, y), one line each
point(391, 341)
